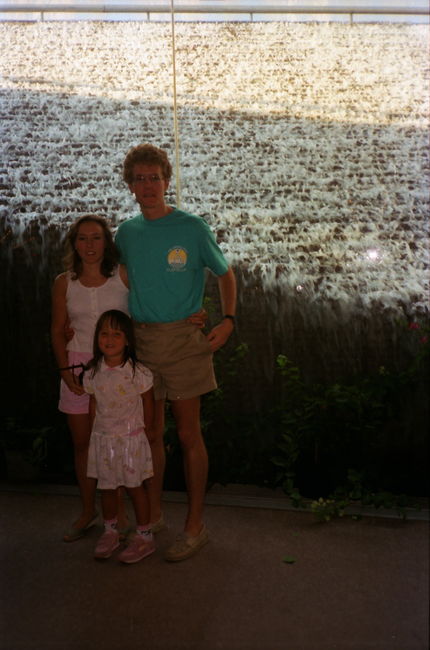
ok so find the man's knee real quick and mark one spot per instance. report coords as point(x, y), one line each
point(191, 438)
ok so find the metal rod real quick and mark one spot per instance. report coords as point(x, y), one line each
point(9, 7)
point(175, 107)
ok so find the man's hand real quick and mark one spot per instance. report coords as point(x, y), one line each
point(220, 334)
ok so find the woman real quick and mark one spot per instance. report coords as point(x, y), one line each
point(93, 283)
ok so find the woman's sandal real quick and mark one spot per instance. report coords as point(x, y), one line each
point(73, 534)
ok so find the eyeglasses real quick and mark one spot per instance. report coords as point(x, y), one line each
point(150, 178)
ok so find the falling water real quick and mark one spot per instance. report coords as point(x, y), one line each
point(304, 147)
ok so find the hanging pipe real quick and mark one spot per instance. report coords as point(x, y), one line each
point(175, 111)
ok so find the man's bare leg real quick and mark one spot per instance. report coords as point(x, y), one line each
point(195, 457)
point(80, 429)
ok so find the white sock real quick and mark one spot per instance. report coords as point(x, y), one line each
point(145, 532)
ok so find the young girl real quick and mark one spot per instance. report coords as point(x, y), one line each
point(121, 408)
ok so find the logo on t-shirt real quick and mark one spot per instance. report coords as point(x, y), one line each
point(177, 258)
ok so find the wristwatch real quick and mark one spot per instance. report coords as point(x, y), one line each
point(231, 317)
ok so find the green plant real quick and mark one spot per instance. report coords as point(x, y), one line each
point(294, 416)
point(327, 509)
point(37, 454)
point(356, 494)
point(45, 446)
point(324, 429)
point(233, 438)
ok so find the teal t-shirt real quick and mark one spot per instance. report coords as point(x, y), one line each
point(166, 260)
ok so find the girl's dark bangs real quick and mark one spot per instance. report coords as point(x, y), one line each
point(113, 322)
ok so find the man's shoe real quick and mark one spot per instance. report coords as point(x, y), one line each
point(107, 544)
point(185, 546)
point(137, 550)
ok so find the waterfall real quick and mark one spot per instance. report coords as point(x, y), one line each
point(304, 146)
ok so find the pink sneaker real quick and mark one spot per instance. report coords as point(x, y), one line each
point(137, 549)
point(107, 544)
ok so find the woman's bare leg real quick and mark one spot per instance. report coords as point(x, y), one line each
point(79, 425)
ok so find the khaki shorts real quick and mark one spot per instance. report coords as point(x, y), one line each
point(179, 356)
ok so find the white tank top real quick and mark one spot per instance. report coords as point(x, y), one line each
point(86, 304)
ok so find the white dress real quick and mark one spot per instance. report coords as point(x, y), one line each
point(119, 452)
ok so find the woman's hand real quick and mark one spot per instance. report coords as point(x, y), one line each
point(199, 318)
point(72, 382)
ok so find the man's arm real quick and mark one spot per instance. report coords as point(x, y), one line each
point(219, 335)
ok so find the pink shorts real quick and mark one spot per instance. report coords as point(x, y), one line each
point(69, 402)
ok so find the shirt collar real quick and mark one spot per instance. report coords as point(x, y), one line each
point(105, 368)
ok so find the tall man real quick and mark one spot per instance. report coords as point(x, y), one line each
point(166, 252)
